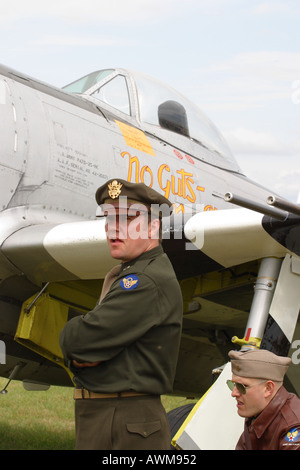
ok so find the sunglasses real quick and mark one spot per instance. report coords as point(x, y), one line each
point(241, 387)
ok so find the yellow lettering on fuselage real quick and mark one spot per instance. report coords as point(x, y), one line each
point(180, 184)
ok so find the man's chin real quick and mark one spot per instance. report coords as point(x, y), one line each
point(116, 251)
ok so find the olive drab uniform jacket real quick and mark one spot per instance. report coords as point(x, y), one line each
point(134, 331)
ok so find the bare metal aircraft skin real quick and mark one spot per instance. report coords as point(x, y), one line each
point(58, 147)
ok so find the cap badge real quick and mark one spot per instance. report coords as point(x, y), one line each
point(114, 189)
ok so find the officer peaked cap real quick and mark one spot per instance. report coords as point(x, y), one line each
point(116, 188)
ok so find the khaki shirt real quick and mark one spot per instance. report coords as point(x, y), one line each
point(135, 331)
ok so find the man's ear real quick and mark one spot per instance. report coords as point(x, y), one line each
point(154, 228)
point(269, 388)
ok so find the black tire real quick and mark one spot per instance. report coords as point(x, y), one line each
point(177, 416)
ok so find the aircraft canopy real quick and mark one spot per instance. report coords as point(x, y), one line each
point(150, 101)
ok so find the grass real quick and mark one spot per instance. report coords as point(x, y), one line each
point(36, 420)
point(43, 420)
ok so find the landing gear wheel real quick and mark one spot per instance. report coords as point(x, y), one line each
point(177, 416)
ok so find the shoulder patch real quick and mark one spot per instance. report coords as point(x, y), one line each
point(130, 282)
point(293, 435)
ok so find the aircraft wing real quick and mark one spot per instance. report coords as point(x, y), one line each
point(78, 250)
point(235, 236)
point(61, 252)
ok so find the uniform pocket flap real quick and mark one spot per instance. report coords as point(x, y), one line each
point(144, 429)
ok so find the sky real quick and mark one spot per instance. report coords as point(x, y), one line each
point(238, 60)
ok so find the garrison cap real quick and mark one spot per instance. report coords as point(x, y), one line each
point(116, 190)
point(259, 364)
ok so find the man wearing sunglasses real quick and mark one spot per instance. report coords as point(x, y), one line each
point(272, 415)
point(124, 352)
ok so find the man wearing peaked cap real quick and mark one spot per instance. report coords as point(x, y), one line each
point(124, 352)
point(119, 200)
point(272, 415)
